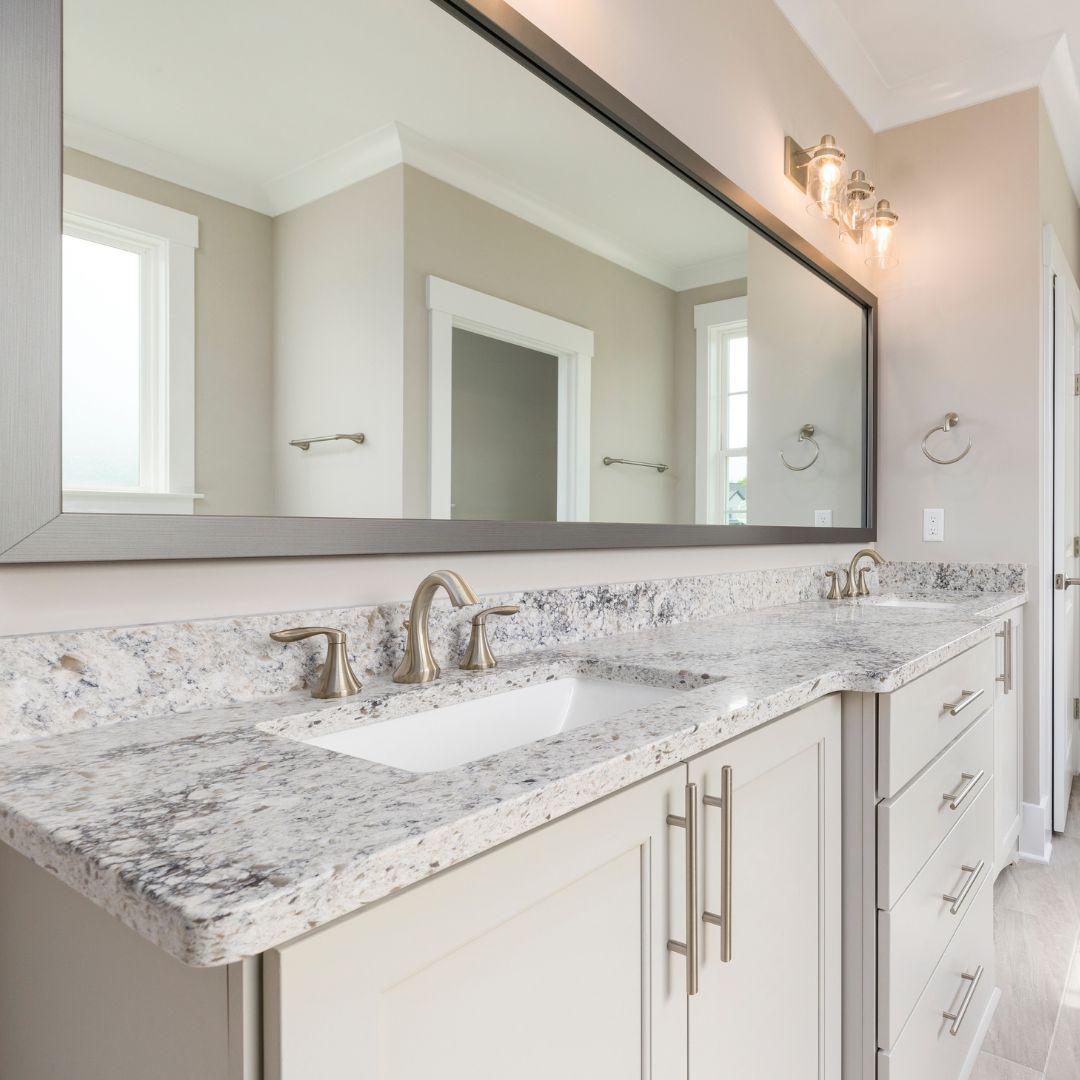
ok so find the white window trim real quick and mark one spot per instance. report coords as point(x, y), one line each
point(708, 506)
point(167, 238)
point(453, 306)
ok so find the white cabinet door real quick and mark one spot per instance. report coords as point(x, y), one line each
point(1008, 739)
point(545, 959)
point(772, 1010)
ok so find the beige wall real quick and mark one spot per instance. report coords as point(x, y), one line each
point(730, 79)
point(338, 269)
point(456, 236)
point(1056, 195)
point(233, 365)
point(504, 453)
point(960, 331)
point(806, 367)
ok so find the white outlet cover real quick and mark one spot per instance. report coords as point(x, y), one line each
point(823, 519)
point(933, 525)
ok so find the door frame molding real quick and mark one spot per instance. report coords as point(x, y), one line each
point(456, 307)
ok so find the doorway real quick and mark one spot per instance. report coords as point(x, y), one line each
point(1063, 333)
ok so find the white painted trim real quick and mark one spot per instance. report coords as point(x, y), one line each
point(83, 199)
point(373, 153)
point(1035, 835)
point(167, 239)
point(451, 305)
point(165, 165)
point(707, 405)
point(1060, 87)
point(82, 501)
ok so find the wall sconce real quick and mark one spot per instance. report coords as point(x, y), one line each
point(819, 171)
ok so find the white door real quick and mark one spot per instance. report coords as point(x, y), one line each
point(1066, 355)
point(546, 959)
point(770, 1008)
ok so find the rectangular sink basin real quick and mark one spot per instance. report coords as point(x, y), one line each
point(470, 730)
point(902, 602)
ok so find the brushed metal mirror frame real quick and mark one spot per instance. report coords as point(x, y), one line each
point(32, 527)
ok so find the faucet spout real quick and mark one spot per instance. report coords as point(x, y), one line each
point(418, 664)
point(851, 589)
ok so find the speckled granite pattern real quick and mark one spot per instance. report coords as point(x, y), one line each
point(65, 682)
point(217, 834)
point(954, 577)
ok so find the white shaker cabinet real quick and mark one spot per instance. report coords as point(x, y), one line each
point(769, 998)
point(546, 958)
point(564, 954)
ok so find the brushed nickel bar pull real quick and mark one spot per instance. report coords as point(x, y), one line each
point(957, 1017)
point(657, 465)
point(689, 948)
point(956, 798)
point(724, 805)
point(1006, 676)
point(967, 697)
point(957, 901)
point(1063, 582)
point(305, 444)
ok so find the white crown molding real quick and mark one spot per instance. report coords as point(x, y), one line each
point(165, 165)
point(393, 144)
point(1044, 62)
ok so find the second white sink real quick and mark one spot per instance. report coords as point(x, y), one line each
point(469, 730)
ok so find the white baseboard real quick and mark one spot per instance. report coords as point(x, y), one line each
point(1035, 833)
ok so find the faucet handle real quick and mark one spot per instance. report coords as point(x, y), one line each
point(336, 679)
point(479, 656)
point(863, 586)
point(834, 589)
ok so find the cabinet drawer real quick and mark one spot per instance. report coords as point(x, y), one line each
point(912, 937)
point(927, 1048)
point(911, 825)
point(914, 722)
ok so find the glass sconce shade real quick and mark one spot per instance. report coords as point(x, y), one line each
point(825, 179)
point(881, 237)
point(858, 207)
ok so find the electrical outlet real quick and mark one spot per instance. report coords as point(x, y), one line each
point(933, 525)
point(823, 519)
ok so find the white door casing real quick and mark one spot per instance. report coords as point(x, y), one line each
point(1064, 342)
point(453, 306)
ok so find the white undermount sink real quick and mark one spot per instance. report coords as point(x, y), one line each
point(469, 730)
point(903, 602)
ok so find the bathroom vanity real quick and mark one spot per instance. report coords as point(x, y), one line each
point(780, 857)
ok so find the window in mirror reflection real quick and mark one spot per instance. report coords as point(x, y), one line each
point(730, 356)
point(102, 297)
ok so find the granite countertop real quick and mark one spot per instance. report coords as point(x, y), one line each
point(220, 833)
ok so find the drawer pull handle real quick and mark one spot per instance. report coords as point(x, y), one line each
point(689, 948)
point(955, 708)
point(957, 901)
point(724, 804)
point(1006, 676)
point(957, 1017)
point(956, 798)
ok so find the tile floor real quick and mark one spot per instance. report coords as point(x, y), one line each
point(1035, 1034)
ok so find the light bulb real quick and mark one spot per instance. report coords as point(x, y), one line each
point(823, 179)
point(881, 247)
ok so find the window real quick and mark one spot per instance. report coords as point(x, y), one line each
point(723, 413)
point(128, 353)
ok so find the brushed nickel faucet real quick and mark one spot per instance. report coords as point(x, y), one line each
point(336, 680)
point(855, 583)
point(418, 665)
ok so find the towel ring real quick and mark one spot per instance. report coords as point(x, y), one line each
point(806, 434)
point(951, 420)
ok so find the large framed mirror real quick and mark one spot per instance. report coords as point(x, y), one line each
point(344, 276)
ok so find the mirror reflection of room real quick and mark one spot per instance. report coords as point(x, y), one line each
point(324, 282)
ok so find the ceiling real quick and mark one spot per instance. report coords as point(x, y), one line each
point(900, 62)
point(273, 103)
